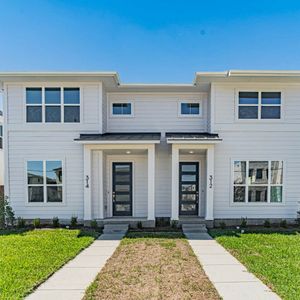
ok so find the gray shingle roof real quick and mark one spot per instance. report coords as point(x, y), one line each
point(121, 136)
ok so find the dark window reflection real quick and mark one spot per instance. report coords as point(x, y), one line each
point(54, 172)
point(35, 172)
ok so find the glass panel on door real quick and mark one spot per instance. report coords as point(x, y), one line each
point(188, 188)
point(122, 189)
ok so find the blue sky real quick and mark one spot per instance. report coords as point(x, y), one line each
point(149, 41)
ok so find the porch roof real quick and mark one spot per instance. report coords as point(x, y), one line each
point(120, 138)
point(192, 137)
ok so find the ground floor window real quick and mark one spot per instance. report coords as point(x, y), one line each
point(257, 181)
point(44, 181)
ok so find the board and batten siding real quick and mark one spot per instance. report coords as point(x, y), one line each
point(258, 140)
point(156, 112)
point(38, 141)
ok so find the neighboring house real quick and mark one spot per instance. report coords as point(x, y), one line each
point(1, 153)
point(83, 144)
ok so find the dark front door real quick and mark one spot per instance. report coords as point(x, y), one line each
point(188, 188)
point(122, 189)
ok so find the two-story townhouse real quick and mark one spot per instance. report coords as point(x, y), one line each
point(83, 144)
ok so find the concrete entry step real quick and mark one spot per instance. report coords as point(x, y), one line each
point(194, 228)
point(115, 228)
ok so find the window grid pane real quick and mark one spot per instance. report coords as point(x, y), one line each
point(259, 105)
point(121, 108)
point(44, 180)
point(190, 108)
point(33, 95)
point(264, 184)
point(52, 95)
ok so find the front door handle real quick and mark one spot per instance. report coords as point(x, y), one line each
point(114, 196)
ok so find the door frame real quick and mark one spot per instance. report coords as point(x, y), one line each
point(116, 159)
point(188, 159)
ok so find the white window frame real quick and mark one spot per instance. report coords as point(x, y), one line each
point(131, 115)
point(199, 115)
point(259, 105)
point(61, 104)
point(44, 185)
point(246, 184)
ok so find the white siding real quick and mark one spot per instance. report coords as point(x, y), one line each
point(156, 112)
point(25, 146)
point(49, 141)
point(225, 108)
point(277, 140)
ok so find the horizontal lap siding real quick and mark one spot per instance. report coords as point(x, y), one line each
point(38, 148)
point(156, 112)
point(49, 141)
point(261, 141)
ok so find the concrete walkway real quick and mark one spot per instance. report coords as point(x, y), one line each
point(70, 282)
point(228, 275)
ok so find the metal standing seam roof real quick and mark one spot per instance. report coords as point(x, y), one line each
point(120, 136)
point(194, 136)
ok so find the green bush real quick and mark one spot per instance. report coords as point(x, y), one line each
point(222, 225)
point(139, 225)
point(267, 223)
point(36, 223)
point(244, 222)
point(94, 224)
point(21, 222)
point(283, 224)
point(55, 222)
point(174, 224)
point(74, 221)
point(7, 215)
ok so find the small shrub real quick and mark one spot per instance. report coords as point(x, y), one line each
point(7, 215)
point(244, 222)
point(55, 222)
point(222, 225)
point(139, 225)
point(162, 222)
point(283, 224)
point(21, 222)
point(94, 224)
point(36, 223)
point(174, 224)
point(267, 223)
point(73, 221)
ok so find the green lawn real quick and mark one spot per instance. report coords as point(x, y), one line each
point(28, 258)
point(273, 257)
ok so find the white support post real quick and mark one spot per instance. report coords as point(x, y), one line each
point(101, 190)
point(151, 182)
point(87, 161)
point(175, 183)
point(210, 183)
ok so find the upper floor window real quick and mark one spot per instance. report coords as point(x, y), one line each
point(121, 109)
point(259, 105)
point(257, 181)
point(190, 109)
point(52, 105)
point(44, 181)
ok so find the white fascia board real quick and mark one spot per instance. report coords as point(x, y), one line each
point(193, 141)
